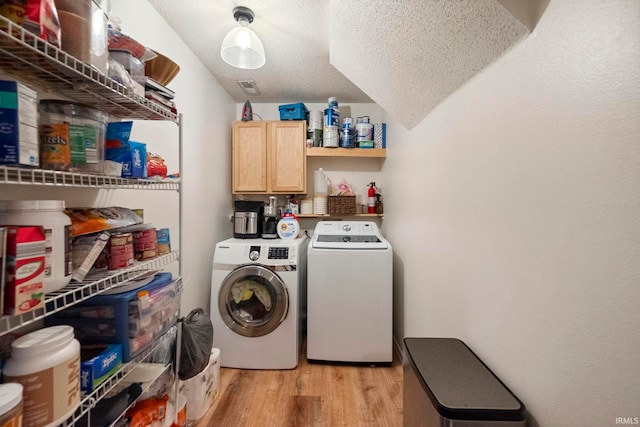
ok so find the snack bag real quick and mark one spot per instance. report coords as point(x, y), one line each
point(156, 166)
point(41, 18)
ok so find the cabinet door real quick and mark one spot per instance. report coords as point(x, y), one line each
point(287, 157)
point(249, 158)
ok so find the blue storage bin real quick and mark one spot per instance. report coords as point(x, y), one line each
point(120, 319)
point(293, 111)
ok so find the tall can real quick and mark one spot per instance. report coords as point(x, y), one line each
point(332, 114)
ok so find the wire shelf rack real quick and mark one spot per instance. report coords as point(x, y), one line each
point(81, 291)
point(89, 400)
point(28, 176)
point(36, 61)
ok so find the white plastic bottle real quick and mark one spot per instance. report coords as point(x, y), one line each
point(57, 229)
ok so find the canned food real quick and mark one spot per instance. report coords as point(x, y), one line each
point(145, 244)
point(120, 251)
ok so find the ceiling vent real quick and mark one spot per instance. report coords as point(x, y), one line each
point(249, 87)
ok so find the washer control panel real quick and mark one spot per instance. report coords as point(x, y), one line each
point(274, 252)
point(278, 253)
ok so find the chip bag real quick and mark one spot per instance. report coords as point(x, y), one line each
point(41, 18)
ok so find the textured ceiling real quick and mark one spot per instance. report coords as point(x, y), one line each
point(405, 55)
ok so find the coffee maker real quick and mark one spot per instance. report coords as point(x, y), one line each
point(247, 219)
point(270, 222)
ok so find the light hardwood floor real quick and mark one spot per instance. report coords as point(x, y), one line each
point(312, 395)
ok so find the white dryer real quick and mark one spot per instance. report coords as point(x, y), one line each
point(257, 294)
point(350, 293)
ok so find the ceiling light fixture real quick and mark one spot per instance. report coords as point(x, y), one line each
point(241, 47)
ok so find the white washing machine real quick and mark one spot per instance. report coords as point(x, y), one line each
point(257, 296)
point(349, 293)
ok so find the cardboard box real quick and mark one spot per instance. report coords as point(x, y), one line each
point(24, 290)
point(98, 362)
point(133, 156)
point(85, 252)
point(18, 124)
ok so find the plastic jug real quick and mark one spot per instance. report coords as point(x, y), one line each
point(320, 183)
point(288, 226)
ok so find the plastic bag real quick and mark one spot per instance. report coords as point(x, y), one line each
point(41, 18)
point(156, 166)
point(197, 342)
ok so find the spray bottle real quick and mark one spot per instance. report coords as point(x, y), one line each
point(372, 198)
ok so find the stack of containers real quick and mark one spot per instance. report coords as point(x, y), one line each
point(321, 191)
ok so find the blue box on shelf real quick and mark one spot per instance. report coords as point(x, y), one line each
point(133, 318)
point(293, 111)
point(97, 369)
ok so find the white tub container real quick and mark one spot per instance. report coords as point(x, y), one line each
point(47, 363)
point(50, 215)
point(11, 405)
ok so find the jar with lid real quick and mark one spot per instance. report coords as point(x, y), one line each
point(57, 229)
point(72, 136)
point(47, 363)
point(11, 404)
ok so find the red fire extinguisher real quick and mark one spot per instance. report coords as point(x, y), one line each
point(372, 198)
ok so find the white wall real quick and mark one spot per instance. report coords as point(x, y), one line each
point(514, 211)
point(207, 111)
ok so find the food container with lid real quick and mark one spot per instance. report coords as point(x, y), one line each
point(47, 363)
point(72, 137)
point(57, 228)
point(83, 27)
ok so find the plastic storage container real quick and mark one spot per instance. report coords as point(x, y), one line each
point(72, 137)
point(133, 65)
point(445, 383)
point(47, 363)
point(125, 318)
point(293, 111)
point(84, 32)
point(50, 215)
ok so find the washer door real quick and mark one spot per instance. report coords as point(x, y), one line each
point(253, 300)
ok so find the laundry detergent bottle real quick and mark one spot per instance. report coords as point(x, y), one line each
point(288, 226)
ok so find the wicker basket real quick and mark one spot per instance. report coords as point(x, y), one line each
point(341, 205)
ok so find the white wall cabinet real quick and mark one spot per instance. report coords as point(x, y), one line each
point(32, 60)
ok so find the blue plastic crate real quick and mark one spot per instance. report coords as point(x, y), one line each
point(116, 319)
point(293, 111)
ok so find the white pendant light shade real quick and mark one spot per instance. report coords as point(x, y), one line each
point(241, 47)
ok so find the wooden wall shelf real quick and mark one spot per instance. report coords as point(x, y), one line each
point(338, 215)
point(346, 152)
